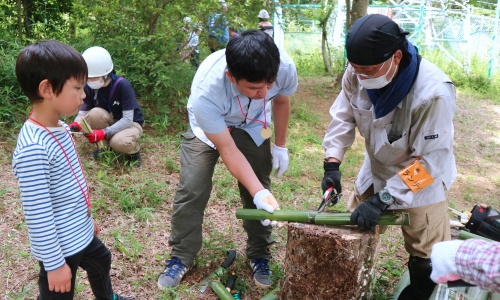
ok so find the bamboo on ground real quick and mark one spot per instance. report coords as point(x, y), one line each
point(272, 295)
point(221, 291)
point(463, 235)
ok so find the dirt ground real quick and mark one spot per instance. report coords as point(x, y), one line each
point(135, 271)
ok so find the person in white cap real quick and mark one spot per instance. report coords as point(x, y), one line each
point(110, 107)
point(264, 23)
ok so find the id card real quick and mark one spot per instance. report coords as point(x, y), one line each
point(416, 176)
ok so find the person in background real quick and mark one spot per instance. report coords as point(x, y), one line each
point(403, 107)
point(264, 23)
point(218, 31)
point(110, 107)
point(185, 30)
point(233, 32)
point(192, 45)
point(54, 191)
point(234, 94)
point(474, 261)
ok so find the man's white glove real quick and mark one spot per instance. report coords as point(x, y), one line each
point(444, 268)
point(280, 160)
point(263, 199)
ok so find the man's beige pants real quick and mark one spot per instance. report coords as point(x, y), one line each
point(428, 224)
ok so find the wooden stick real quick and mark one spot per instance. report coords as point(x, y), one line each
point(456, 223)
point(458, 213)
point(86, 127)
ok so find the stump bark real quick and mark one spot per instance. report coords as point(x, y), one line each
point(327, 262)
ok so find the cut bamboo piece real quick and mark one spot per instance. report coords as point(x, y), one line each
point(86, 127)
point(463, 235)
point(220, 290)
point(387, 218)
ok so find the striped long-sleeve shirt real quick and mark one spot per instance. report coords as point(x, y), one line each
point(478, 262)
point(53, 203)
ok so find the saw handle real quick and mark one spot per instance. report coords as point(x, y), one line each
point(231, 255)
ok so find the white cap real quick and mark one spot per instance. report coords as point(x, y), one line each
point(263, 14)
point(98, 61)
point(187, 20)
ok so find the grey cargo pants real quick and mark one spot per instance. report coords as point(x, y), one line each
point(195, 184)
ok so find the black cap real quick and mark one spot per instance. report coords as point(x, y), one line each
point(373, 39)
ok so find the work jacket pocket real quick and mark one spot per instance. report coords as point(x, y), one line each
point(364, 119)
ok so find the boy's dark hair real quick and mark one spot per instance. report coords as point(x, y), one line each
point(51, 60)
point(253, 56)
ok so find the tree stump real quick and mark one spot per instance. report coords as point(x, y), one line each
point(328, 262)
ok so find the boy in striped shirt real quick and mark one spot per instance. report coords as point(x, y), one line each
point(54, 191)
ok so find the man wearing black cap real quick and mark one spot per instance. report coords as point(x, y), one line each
point(403, 106)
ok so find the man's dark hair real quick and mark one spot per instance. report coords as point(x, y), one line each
point(51, 60)
point(253, 56)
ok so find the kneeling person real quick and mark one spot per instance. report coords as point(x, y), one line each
point(110, 107)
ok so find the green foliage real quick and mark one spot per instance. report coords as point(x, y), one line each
point(305, 50)
point(127, 244)
point(22, 294)
point(13, 105)
point(475, 81)
point(142, 37)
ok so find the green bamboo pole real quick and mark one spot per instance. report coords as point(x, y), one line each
point(463, 235)
point(310, 216)
point(221, 291)
point(272, 295)
point(403, 282)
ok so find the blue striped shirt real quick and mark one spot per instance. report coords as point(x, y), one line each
point(54, 206)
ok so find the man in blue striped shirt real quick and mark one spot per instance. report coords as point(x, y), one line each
point(54, 191)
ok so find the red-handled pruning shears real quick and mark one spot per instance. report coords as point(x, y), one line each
point(329, 199)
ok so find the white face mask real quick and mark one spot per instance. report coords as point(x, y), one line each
point(378, 82)
point(95, 85)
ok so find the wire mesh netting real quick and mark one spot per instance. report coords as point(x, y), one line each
point(461, 33)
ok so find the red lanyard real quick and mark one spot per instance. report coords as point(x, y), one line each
point(265, 119)
point(85, 196)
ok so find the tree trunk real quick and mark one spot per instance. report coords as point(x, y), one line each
point(19, 20)
point(358, 10)
point(325, 50)
point(326, 262)
point(27, 5)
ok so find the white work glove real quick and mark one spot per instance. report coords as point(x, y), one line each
point(266, 201)
point(444, 268)
point(280, 160)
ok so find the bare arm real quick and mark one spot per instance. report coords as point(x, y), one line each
point(235, 161)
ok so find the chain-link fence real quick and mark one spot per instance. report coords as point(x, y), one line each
point(449, 27)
